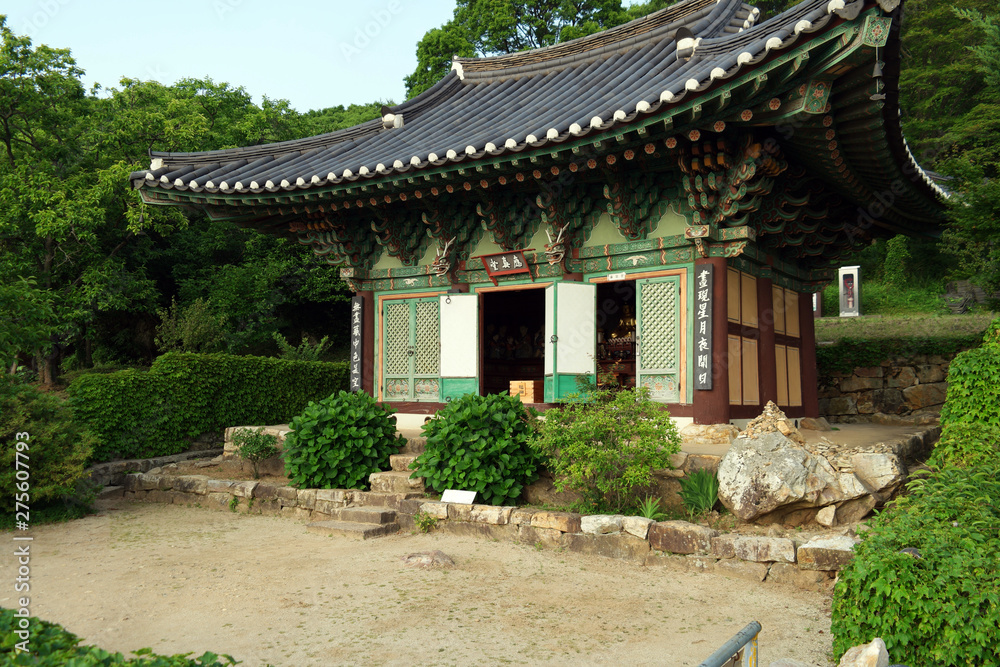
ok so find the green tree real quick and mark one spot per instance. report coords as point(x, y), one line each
point(497, 27)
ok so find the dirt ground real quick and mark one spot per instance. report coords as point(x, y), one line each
point(186, 579)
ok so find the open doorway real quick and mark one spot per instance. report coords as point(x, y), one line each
point(513, 338)
point(616, 332)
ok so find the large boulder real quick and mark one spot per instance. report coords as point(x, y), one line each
point(770, 472)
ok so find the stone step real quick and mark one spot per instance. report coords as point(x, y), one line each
point(402, 462)
point(390, 500)
point(369, 515)
point(414, 445)
point(360, 531)
point(395, 482)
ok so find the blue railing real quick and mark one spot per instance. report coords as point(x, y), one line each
point(745, 640)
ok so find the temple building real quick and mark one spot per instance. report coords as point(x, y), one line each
point(655, 203)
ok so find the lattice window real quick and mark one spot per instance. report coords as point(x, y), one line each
point(428, 338)
point(658, 336)
point(396, 329)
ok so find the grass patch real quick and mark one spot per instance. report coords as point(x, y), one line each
point(890, 327)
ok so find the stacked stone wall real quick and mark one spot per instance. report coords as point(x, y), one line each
point(903, 390)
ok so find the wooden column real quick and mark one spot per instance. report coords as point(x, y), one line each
point(766, 365)
point(712, 406)
point(810, 376)
point(368, 344)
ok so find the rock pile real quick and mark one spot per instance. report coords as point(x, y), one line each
point(771, 475)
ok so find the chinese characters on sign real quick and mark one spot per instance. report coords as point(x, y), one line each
point(357, 328)
point(703, 327)
point(503, 264)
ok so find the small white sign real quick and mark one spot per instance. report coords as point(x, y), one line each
point(616, 276)
point(460, 497)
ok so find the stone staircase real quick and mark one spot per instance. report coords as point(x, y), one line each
point(379, 513)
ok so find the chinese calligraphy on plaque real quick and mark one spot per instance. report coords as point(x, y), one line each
point(503, 264)
point(703, 327)
point(357, 328)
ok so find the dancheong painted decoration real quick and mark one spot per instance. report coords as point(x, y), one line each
point(652, 205)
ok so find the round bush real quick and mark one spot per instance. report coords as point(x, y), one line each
point(481, 444)
point(338, 442)
point(57, 449)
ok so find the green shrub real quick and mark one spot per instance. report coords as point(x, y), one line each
point(700, 491)
point(338, 442)
point(481, 444)
point(51, 644)
point(607, 448)
point(52, 460)
point(193, 328)
point(974, 388)
point(966, 444)
point(306, 351)
point(255, 446)
point(897, 261)
point(157, 413)
point(850, 353)
point(939, 604)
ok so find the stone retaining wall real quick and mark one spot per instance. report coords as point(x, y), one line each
point(807, 561)
point(903, 390)
point(113, 473)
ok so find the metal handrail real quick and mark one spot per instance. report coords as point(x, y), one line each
point(745, 637)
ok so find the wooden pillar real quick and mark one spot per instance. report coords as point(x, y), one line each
point(368, 344)
point(712, 406)
point(810, 375)
point(767, 369)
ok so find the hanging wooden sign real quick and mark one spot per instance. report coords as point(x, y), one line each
point(505, 263)
point(703, 327)
point(357, 330)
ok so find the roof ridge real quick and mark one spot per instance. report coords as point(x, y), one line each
point(591, 45)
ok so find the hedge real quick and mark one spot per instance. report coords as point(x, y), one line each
point(137, 414)
point(848, 354)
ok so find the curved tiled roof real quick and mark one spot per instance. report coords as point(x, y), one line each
point(492, 106)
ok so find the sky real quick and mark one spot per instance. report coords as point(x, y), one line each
point(313, 54)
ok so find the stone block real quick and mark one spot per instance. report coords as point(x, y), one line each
point(600, 524)
point(787, 574)
point(855, 510)
point(328, 506)
point(184, 498)
point(220, 500)
point(873, 654)
point(930, 373)
point(158, 496)
point(681, 537)
point(265, 491)
point(111, 493)
point(244, 489)
point(550, 538)
point(306, 498)
point(814, 424)
point(677, 460)
point(637, 525)
point(860, 384)
point(219, 486)
point(925, 395)
point(906, 377)
point(521, 516)
point(842, 405)
point(487, 531)
point(149, 482)
point(192, 484)
point(132, 483)
point(869, 372)
point(566, 522)
point(459, 512)
point(345, 496)
point(288, 495)
point(701, 462)
point(866, 402)
point(755, 572)
point(621, 545)
point(827, 516)
point(878, 471)
point(436, 510)
point(826, 553)
point(298, 513)
point(491, 514)
point(754, 549)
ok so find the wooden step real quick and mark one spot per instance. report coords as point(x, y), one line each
point(402, 462)
point(369, 515)
point(359, 531)
point(395, 482)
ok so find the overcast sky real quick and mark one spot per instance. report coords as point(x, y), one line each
point(314, 54)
